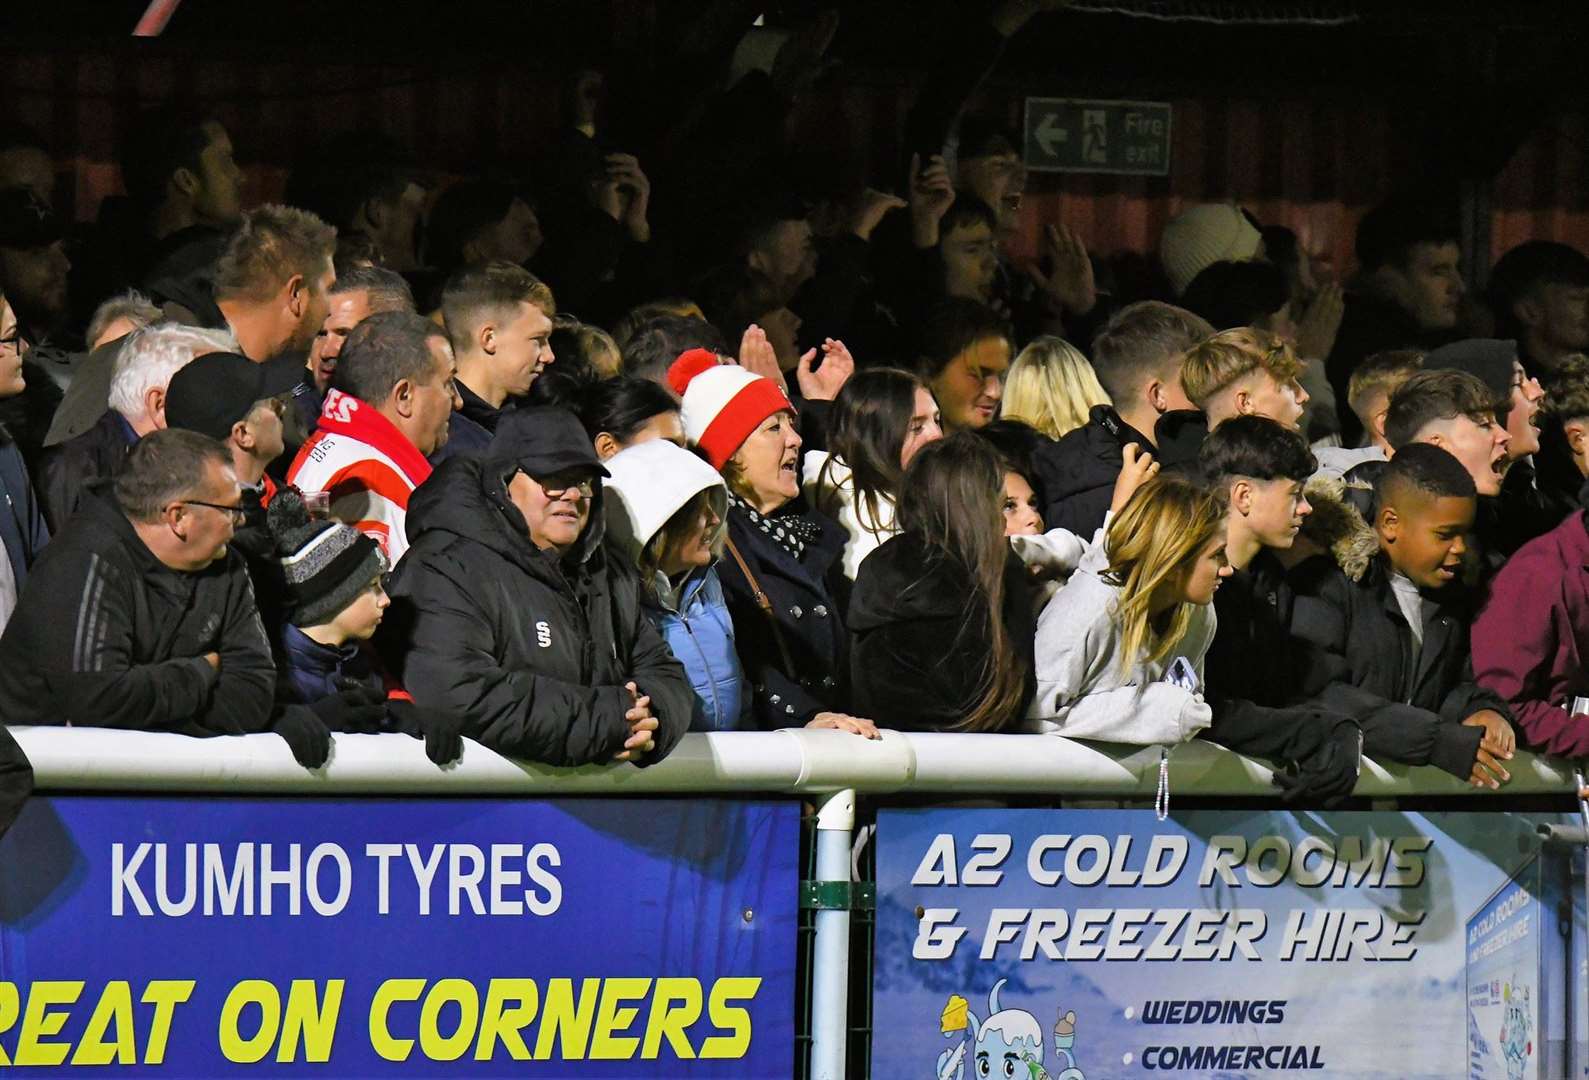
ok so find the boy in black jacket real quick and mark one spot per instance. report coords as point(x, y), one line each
point(1391, 649)
point(1252, 672)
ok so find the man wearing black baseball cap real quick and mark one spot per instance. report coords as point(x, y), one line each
point(508, 613)
point(238, 403)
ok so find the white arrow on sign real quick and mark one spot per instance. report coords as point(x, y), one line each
point(1050, 135)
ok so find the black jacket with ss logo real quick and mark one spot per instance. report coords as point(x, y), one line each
point(531, 650)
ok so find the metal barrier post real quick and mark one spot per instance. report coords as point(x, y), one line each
point(830, 964)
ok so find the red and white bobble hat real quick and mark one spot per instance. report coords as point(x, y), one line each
point(722, 403)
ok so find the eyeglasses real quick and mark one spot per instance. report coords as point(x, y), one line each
point(236, 513)
point(557, 488)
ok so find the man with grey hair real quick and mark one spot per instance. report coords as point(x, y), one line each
point(143, 368)
point(357, 294)
point(119, 316)
point(387, 410)
point(139, 615)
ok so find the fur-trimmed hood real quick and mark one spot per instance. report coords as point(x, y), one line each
point(1337, 526)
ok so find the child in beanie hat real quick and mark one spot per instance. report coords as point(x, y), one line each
point(332, 579)
point(325, 564)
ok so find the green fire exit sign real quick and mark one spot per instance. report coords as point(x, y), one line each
point(1072, 135)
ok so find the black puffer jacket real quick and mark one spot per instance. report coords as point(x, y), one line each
point(920, 641)
point(531, 651)
point(105, 635)
point(16, 779)
point(809, 618)
point(1363, 661)
point(1251, 700)
point(1079, 471)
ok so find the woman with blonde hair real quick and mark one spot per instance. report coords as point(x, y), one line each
point(1052, 387)
point(1120, 649)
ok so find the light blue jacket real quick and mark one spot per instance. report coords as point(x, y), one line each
point(697, 627)
point(647, 485)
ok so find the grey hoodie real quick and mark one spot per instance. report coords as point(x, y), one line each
point(1082, 691)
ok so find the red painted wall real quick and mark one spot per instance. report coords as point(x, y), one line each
point(1312, 166)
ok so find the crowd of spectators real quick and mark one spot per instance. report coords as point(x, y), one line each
point(347, 463)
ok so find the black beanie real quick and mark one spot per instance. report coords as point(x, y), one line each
point(326, 564)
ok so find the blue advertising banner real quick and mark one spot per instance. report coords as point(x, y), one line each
point(1087, 944)
point(1517, 986)
point(377, 937)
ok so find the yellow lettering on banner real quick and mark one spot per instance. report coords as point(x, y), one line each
point(610, 1019)
point(501, 1022)
point(165, 995)
point(672, 1022)
point(38, 1022)
point(728, 1017)
point(10, 1008)
point(559, 1019)
point(381, 1040)
point(436, 1046)
point(234, 1047)
point(309, 1021)
point(115, 1004)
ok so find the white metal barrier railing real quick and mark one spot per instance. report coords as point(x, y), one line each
point(793, 761)
point(830, 766)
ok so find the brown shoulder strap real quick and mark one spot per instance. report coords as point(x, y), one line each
point(764, 602)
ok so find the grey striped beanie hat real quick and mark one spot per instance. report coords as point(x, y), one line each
point(325, 565)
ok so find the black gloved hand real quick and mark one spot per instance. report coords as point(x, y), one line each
point(441, 732)
point(1327, 773)
point(353, 708)
point(306, 734)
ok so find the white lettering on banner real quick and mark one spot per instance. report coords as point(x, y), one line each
point(1166, 857)
point(940, 865)
point(1342, 863)
point(230, 888)
point(424, 871)
point(1179, 934)
point(1518, 901)
point(493, 885)
point(937, 936)
point(344, 879)
point(222, 887)
point(1089, 860)
point(246, 878)
point(1337, 936)
point(1113, 934)
point(383, 854)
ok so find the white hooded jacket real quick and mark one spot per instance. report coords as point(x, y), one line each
point(834, 494)
point(651, 482)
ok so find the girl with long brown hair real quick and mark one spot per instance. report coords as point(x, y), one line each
point(880, 419)
point(941, 613)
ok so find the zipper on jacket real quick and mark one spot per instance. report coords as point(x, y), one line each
point(706, 664)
